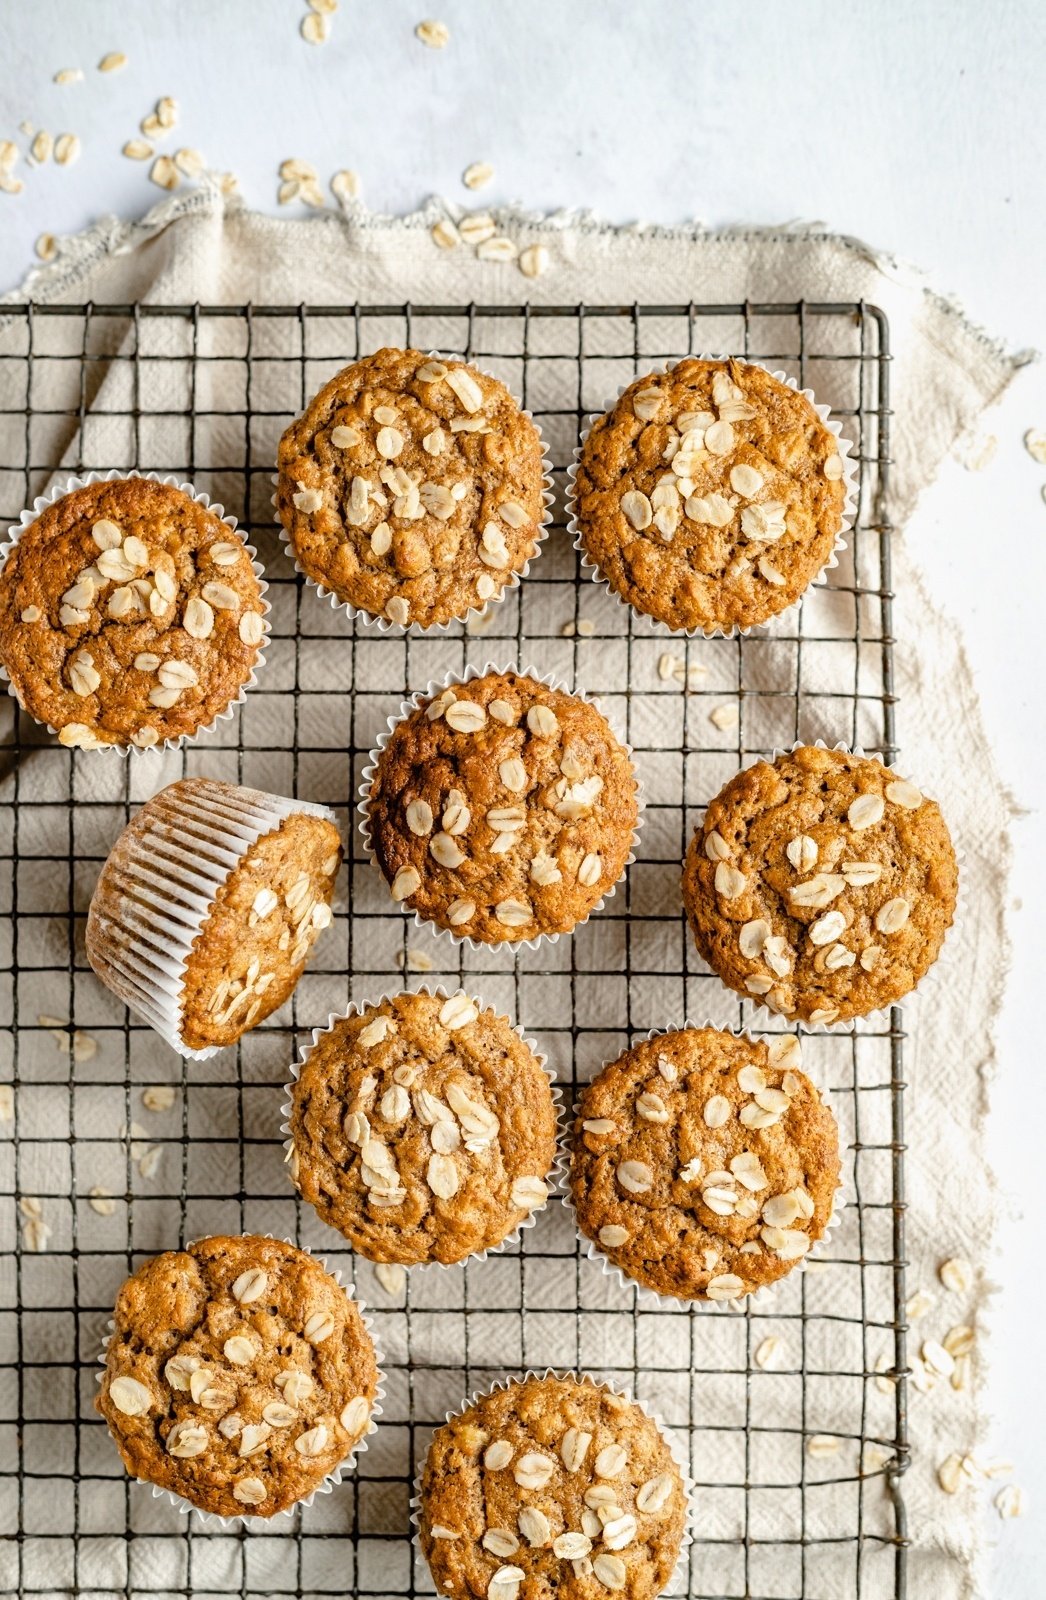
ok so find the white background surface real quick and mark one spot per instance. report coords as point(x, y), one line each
point(916, 126)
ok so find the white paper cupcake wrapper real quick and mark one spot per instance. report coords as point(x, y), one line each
point(681, 1569)
point(881, 1014)
point(436, 687)
point(56, 492)
point(649, 1298)
point(846, 521)
point(212, 1519)
point(383, 624)
point(554, 1178)
point(174, 880)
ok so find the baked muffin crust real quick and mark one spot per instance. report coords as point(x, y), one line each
point(423, 1129)
point(709, 496)
point(553, 1486)
point(129, 614)
point(238, 1375)
point(502, 809)
point(704, 1165)
point(822, 884)
point(412, 487)
point(264, 919)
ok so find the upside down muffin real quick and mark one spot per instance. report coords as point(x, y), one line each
point(412, 488)
point(704, 1165)
point(423, 1128)
point(551, 1486)
point(709, 496)
point(208, 906)
point(502, 809)
point(129, 614)
point(822, 884)
point(238, 1375)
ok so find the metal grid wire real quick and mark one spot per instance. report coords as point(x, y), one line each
point(204, 392)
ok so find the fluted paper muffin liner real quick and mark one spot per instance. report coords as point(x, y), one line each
point(425, 630)
point(456, 679)
point(681, 1569)
point(554, 1177)
point(213, 1519)
point(57, 492)
point(174, 881)
point(649, 1299)
point(880, 1015)
point(846, 518)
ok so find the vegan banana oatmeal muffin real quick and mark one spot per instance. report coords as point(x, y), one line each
point(239, 1374)
point(412, 488)
point(208, 905)
point(423, 1128)
point(130, 613)
point(821, 883)
point(502, 809)
point(551, 1486)
point(710, 496)
point(704, 1164)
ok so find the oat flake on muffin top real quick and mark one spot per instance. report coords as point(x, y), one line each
point(710, 496)
point(412, 487)
point(821, 883)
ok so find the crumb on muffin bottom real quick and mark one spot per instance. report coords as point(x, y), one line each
point(423, 1128)
point(412, 487)
point(710, 496)
point(822, 884)
point(704, 1164)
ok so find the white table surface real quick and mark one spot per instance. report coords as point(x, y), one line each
point(916, 126)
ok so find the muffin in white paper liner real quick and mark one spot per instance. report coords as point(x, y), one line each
point(846, 516)
point(213, 1519)
point(57, 492)
point(680, 1571)
point(169, 891)
point(554, 1177)
point(650, 1299)
point(427, 630)
point(460, 679)
point(880, 1016)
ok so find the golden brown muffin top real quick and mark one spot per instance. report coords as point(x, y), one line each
point(423, 1129)
point(238, 1374)
point(129, 614)
point(710, 496)
point(821, 883)
point(503, 809)
point(551, 1486)
point(704, 1165)
point(412, 487)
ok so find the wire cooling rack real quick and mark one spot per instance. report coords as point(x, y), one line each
point(793, 1415)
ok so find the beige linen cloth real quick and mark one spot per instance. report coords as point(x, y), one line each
point(201, 249)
